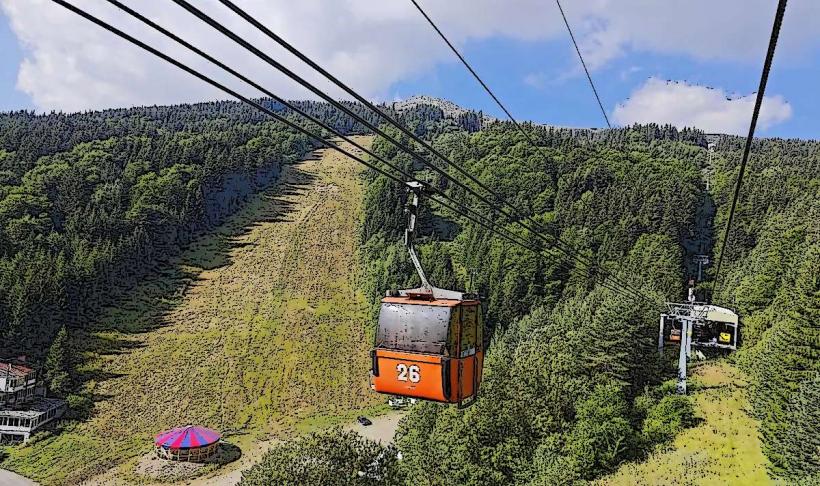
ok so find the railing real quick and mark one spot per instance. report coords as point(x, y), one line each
point(695, 311)
point(11, 429)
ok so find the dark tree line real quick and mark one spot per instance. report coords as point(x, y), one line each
point(772, 276)
point(573, 385)
point(89, 202)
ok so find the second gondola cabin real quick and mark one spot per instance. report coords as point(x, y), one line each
point(429, 347)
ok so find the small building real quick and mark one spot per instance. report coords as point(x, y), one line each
point(189, 443)
point(18, 384)
point(23, 405)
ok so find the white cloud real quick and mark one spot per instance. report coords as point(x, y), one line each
point(686, 105)
point(535, 80)
point(628, 72)
point(70, 64)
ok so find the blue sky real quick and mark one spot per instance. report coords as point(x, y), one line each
point(568, 101)
point(531, 66)
point(10, 97)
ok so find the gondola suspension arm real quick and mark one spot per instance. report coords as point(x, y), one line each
point(414, 190)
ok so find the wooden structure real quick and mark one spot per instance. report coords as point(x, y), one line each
point(188, 444)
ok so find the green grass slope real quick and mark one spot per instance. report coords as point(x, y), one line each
point(724, 448)
point(256, 329)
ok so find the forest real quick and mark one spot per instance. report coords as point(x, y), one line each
point(573, 383)
point(773, 280)
point(89, 202)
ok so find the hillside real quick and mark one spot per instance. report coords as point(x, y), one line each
point(194, 297)
point(256, 328)
point(722, 448)
point(573, 387)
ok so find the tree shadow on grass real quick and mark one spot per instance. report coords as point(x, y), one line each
point(226, 454)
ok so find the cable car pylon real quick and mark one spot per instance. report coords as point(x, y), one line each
point(696, 324)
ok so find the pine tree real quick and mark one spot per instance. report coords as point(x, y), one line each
point(57, 365)
point(802, 446)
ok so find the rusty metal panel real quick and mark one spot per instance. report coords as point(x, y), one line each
point(416, 328)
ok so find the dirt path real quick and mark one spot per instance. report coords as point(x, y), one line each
point(383, 428)
point(723, 449)
point(8, 478)
point(257, 329)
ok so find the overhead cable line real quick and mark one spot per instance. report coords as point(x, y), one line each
point(220, 86)
point(476, 76)
point(463, 211)
point(257, 86)
point(551, 240)
point(764, 77)
point(484, 85)
point(584, 64)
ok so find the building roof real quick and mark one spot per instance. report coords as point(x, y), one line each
point(186, 437)
point(34, 409)
point(14, 369)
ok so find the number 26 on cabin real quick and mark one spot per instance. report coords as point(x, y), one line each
point(412, 373)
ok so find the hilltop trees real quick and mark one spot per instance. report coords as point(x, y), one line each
point(89, 202)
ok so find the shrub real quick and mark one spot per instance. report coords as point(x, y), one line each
point(603, 435)
point(666, 418)
point(328, 458)
point(79, 407)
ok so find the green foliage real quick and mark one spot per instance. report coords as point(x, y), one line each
point(801, 445)
point(80, 407)
point(665, 419)
point(602, 436)
point(772, 276)
point(90, 202)
point(328, 458)
point(567, 357)
point(57, 365)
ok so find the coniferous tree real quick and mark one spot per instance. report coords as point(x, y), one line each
point(58, 365)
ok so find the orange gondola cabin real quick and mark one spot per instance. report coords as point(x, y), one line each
point(430, 341)
point(429, 347)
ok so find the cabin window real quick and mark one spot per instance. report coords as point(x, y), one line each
point(469, 329)
point(480, 328)
point(416, 328)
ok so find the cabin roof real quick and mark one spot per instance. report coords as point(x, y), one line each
point(14, 369)
point(718, 314)
point(436, 302)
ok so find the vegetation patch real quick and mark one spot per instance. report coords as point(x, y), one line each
point(256, 328)
point(722, 448)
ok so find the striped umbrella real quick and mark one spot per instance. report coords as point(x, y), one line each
point(186, 437)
